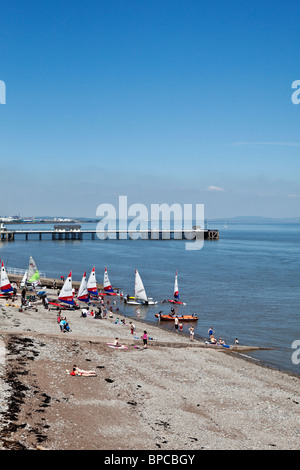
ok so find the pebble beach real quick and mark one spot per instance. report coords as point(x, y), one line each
point(175, 394)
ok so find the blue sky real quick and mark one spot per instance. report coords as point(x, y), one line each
point(162, 101)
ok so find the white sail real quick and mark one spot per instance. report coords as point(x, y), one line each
point(176, 292)
point(66, 294)
point(83, 294)
point(5, 285)
point(139, 290)
point(92, 284)
point(23, 282)
point(106, 283)
point(33, 274)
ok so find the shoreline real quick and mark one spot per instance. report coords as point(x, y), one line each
point(176, 394)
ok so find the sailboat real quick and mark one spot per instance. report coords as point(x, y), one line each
point(24, 279)
point(92, 284)
point(176, 300)
point(107, 285)
point(33, 276)
point(140, 296)
point(83, 294)
point(5, 285)
point(66, 294)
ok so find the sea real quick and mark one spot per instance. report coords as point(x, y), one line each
point(245, 285)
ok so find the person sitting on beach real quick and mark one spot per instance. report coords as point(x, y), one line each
point(116, 343)
point(213, 340)
point(221, 341)
point(84, 312)
point(62, 324)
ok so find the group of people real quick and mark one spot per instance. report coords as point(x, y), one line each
point(63, 324)
point(119, 322)
point(178, 326)
point(220, 341)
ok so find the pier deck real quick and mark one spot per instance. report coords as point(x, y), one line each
point(82, 234)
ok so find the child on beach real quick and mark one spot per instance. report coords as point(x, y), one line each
point(191, 329)
point(145, 339)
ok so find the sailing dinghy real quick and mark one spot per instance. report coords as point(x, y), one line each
point(5, 285)
point(66, 295)
point(108, 290)
point(176, 300)
point(92, 285)
point(140, 296)
point(24, 279)
point(83, 294)
point(33, 276)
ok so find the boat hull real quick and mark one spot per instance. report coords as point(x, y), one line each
point(185, 318)
point(176, 302)
point(136, 302)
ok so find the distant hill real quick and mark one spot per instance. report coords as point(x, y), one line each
point(254, 220)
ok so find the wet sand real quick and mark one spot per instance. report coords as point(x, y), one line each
point(175, 395)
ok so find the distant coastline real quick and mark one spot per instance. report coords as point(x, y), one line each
point(247, 220)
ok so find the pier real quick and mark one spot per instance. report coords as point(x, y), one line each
point(77, 233)
point(6, 235)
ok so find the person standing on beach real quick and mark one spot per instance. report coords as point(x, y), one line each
point(132, 328)
point(191, 333)
point(176, 324)
point(145, 339)
point(210, 332)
